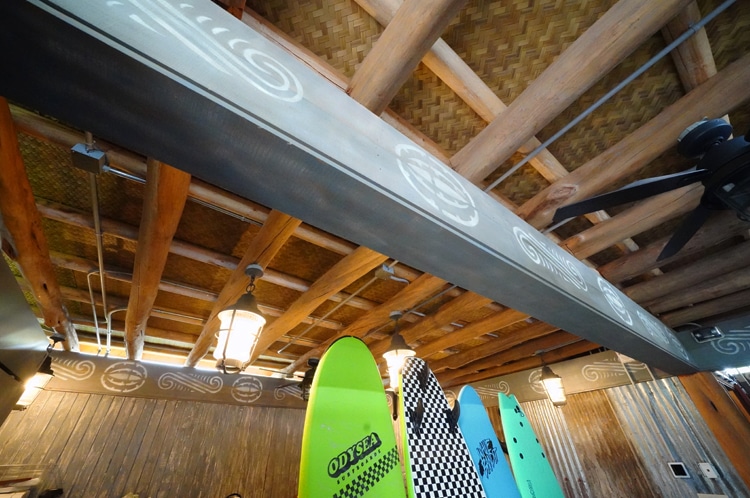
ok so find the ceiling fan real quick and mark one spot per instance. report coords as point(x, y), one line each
point(723, 167)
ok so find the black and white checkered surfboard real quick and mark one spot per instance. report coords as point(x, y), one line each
point(437, 460)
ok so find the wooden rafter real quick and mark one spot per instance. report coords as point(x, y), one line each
point(23, 222)
point(420, 289)
point(504, 340)
point(163, 202)
point(715, 97)
point(608, 41)
point(553, 356)
point(265, 245)
point(411, 33)
point(712, 266)
point(342, 274)
point(529, 348)
point(723, 226)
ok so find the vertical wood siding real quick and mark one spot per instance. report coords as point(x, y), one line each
point(107, 446)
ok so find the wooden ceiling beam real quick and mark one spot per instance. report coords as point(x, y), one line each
point(57, 134)
point(560, 354)
point(643, 216)
point(706, 290)
point(505, 340)
point(602, 46)
point(263, 248)
point(85, 266)
point(449, 312)
point(398, 50)
point(163, 202)
point(707, 309)
point(716, 97)
point(24, 224)
point(523, 350)
point(493, 323)
point(447, 65)
point(65, 214)
point(693, 58)
point(342, 274)
point(683, 278)
point(720, 227)
point(418, 291)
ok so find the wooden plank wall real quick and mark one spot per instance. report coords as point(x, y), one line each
point(107, 446)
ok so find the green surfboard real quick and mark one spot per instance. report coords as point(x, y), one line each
point(348, 445)
point(528, 460)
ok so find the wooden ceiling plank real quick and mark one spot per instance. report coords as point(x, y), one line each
point(707, 309)
point(716, 97)
point(495, 322)
point(163, 202)
point(550, 357)
point(263, 248)
point(722, 226)
point(505, 340)
point(342, 274)
point(529, 348)
point(677, 280)
point(602, 46)
point(643, 216)
point(24, 224)
point(395, 55)
point(421, 289)
point(712, 288)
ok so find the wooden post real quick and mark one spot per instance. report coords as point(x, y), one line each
point(731, 429)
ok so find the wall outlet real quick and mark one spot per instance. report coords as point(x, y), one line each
point(708, 471)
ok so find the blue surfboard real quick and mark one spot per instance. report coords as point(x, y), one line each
point(486, 453)
point(528, 460)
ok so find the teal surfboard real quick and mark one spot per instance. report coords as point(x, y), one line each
point(348, 444)
point(528, 460)
point(436, 458)
point(486, 453)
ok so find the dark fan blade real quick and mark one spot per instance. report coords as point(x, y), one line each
point(635, 191)
point(685, 231)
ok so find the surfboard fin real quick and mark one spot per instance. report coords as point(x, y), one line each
point(423, 376)
point(452, 416)
point(416, 416)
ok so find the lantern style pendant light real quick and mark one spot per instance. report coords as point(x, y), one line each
point(554, 386)
point(397, 352)
point(241, 325)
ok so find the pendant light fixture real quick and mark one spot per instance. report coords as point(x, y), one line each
point(241, 324)
point(397, 352)
point(554, 386)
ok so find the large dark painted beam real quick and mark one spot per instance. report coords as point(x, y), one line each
point(184, 82)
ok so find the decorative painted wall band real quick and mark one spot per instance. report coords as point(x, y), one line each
point(589, 373)
point(75, 372)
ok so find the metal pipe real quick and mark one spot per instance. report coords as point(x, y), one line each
point(109, 327)
point(97, 230)
point(684, 36)
point(93, 310)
